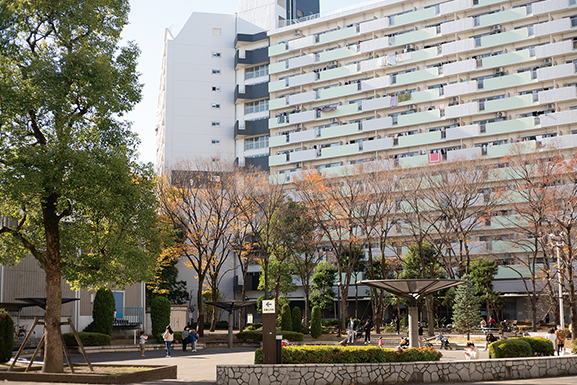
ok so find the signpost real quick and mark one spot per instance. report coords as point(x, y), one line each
point(269, 332)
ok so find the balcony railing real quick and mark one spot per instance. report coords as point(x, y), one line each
point(129, 316)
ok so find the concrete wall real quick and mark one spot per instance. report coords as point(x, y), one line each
point(394, 373)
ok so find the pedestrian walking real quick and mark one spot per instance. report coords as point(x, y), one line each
point(561, 335)
point(397, 324)
point(143, 338)
point(367, 327)
point(420, 330)
point(184, 338)
point(193, 338)
point(351, 327)
point(553, 338)
point(168, 337)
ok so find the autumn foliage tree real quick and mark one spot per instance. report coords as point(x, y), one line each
point(76, 197)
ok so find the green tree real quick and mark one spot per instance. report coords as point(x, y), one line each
point(280, 277)
point(482, 272)
point(467, 312)
point(160, 316)
point(316, 329)
point(6, 336)
point(297, 320)
point(78, 200)
point(286, 322)
point(166, 284)
point(103, 311)
point(354, 257)
point(324, 278)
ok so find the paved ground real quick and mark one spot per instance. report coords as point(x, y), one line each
point(200, 368)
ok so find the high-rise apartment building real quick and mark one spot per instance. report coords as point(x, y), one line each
point(421, 83)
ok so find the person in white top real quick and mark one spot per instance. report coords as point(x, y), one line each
point(551, 336)
point(471, 352)
point(168, 337)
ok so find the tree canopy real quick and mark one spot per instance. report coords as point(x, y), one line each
point(76, 197)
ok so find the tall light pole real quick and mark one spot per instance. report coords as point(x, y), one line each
point(556, 242)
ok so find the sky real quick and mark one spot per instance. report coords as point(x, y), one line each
point(147, 22)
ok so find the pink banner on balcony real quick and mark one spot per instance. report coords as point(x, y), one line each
point(435, 158)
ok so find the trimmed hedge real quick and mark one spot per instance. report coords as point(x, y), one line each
point(6, 336)
point(256, 335)
point(330, 322)
point(521, 347)
point(316, 329)
point(297, 320)
point(350, 355)
point(87, 339)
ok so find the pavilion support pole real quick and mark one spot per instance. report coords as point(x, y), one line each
point(413, 320)
point(230, 314)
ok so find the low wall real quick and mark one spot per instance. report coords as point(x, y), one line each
point(394, 373)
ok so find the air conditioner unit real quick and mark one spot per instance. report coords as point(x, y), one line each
point(548, 61)
point(550, 107)
point(498, 70)
point(299, 126)
point(496, 27)
point(500, 114)
point(412, 107)
point(455, 100)
point(410, 47)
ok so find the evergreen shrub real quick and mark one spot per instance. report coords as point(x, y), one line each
point(286, 322)
point(316, 330)
point(87, 339)
point(6, 336)
point(297, 320)
point(510, 348)
point(160, 316)
point(350, 355)
point(103, 311)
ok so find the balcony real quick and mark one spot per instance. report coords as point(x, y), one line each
point(507, 81)
point(302, 42)
point(512, 103)
point(457, 26)
point(555, 72)
point(459, 110)
point(549, 6)
point(510, 149)
point(415, 36)
point(502, 17)
point(414, 161)
point(459, 67)
point(378, 144)
point(300, 61)
point(503, 38)
point(336, 54)
point(278, 160)
point(375, 44)
point(374, 25)
point(338, 131)
point(462, 132)
point(377, 124)
point(375, 83)
point(337, 92)
point(302, 136)
point(260, 162)
point(128, 316)
point(417, 76)
point(464, 154)
point(277, 49)
point(256, 56)
point(251, 92)
point(559, 118)
point(515, 125)
point(340, 34)
point(249, 38)
point(301, 98)
point(376, 104)
point(416, 16)
point(557, 95)
point(553, 49)
point(460, 88)
point(419, 139)
point(299, 80)
point(338, 151)
point(454, 6)
point(349, 109)
point(303, 156)
point(458, 46)
point(555, 26)
point(507, 58)
point(337, 73)
point(251, 128)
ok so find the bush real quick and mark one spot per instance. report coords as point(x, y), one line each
point(540, 346)
point(160, 316)
point(87, 339)
point(330, 322)
point(103, 311)
point(574, 349)
point(206, 325)
point(256, 335)
point(222, 325)
point(297, 320)
point(286, 322)
point(6, 336)
point(510, 348)
point(316, 322)
point(350, 355)
point(254, 326)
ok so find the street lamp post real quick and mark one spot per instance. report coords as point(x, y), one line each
point(557, 244)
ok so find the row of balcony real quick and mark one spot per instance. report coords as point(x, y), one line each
point(252, 57)
point(250, 128)
point(421, 15)
point(543, 99)
point(493, 20)
point(251, 92)
point(544, 53)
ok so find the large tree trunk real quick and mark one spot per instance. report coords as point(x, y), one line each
point(242, 297)
point(307, 290)
point(430, 315)
point(199, 302)
point(53, 361)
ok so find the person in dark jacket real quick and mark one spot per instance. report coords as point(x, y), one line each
point(367, 325)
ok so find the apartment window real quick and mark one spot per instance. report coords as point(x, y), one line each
point(215, 124)
point(258, 106)
point(216, 72)
point(215, 89)
point(216, 54)
point(216, 31)
point(215, 106)
point(255, 143)
point(215, 141)
point(256, 72)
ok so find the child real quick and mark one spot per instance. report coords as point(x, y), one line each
point(380, 342)
point(193, 337)
point(143, 338)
